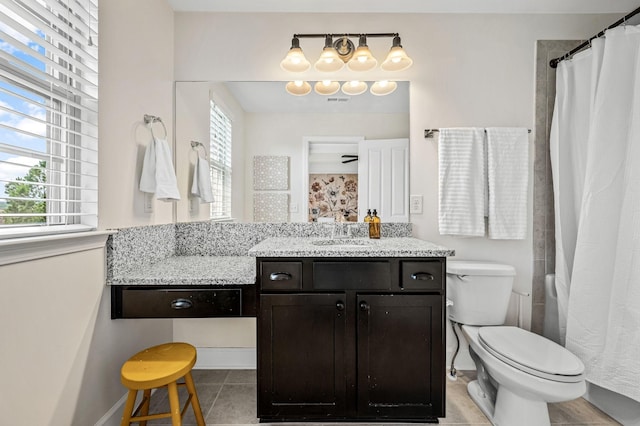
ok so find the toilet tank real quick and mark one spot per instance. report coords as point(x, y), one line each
point(480, 291)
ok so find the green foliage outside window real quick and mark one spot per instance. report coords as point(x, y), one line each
point(28, 189)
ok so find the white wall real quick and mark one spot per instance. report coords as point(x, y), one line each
point(136, 78)
point(469, 70)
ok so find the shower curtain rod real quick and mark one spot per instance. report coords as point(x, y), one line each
point(554, 62)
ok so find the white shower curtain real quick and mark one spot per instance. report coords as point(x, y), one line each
point(575, 91)
point(603, 284)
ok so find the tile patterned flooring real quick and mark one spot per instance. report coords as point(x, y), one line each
point(228, 397)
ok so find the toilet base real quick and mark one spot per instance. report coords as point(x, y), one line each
point(509, 408)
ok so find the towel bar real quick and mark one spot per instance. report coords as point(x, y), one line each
point(150, 119)
point(429, 133)
point(195, 145)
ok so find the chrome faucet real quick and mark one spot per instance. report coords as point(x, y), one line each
point(341, 230)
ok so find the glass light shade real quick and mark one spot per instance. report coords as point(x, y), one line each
point(326, 87)
point(384, 87)
point(397, 60)
point(362, 60)
point(295, 61)
point(298, 88)
point(329, 61)
point(354, 87)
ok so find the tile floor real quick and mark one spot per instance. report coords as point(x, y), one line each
point(228, 397)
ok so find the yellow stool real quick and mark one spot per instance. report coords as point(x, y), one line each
point(157, 367)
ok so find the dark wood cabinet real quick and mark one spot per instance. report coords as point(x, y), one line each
point(302, 350)
point(400, 363)
point(351, 339)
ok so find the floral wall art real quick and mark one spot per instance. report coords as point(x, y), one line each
point(333, 196)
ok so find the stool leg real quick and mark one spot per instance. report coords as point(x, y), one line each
point(195, 402)
point(174, 403)
point(144, 410)
point(128, 408)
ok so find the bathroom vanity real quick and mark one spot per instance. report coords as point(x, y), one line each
point(350, 330)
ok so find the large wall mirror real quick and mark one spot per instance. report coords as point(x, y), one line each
point(272, 132)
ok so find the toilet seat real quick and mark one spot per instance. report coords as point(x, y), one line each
point(531, 353)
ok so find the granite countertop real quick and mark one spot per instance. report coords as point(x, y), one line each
point(192, 270)
point(350, 247)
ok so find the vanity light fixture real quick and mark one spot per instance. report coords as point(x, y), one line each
point(336, 53)
point(397, 59)
point(362, 59)
point(329, 60)
point(326, 87)
point(298, 88)
point(354, 87)
point(384, 87)
point(295, 60)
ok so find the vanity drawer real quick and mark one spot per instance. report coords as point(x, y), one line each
point(180, 303)
point(422, 275)
point(352, 275)
point(281, 275)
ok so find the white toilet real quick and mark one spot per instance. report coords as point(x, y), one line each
point(519, 372)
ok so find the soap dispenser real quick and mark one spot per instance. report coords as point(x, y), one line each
point(374, 226)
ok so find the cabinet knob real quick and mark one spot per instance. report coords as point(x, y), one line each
point(364, 306)
point(340, 306)
point(181, 304)
point(280, 276)
point(422, 276)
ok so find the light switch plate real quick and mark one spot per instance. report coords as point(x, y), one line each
point(415, 204)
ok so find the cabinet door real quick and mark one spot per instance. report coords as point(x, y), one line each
point(301, 343)
point(400, 363)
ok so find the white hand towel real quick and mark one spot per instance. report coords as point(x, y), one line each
point(158, 175)
point(201, 186)
point(508, 176)
point(166, 181)
point(461, 182)
point(148, 177)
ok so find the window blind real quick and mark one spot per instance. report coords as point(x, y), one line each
point(48, 116)
point(220, 162)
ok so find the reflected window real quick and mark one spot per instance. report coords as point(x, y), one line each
point(220, 131)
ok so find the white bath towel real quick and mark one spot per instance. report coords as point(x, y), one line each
point(158, 176)
point(462, 182)
point(508, 177)
point(201, 186)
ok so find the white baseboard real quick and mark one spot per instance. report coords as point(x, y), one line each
point(114, 415)
point(208, 359)
point(226, 359)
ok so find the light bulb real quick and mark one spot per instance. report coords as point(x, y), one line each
point(326, 87)
point(298, 88)
point(384, 87)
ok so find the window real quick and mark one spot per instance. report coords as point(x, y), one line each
point(220, 154)
point(48, 116)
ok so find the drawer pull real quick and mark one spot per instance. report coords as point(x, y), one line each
point(364, 306)
point(422, 276)
point(280, 276)
point(340, 305)
point(181, 304)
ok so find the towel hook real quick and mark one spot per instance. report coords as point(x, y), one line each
point(150, 119)
point(195, 145)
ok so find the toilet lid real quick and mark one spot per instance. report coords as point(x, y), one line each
point(531, 353)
